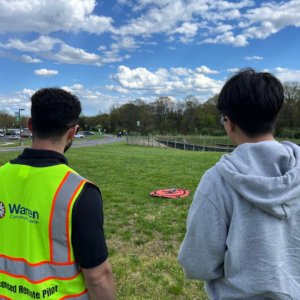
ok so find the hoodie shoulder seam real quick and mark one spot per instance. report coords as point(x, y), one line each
point(214, 206)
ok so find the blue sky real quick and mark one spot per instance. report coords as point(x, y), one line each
point(111, 52)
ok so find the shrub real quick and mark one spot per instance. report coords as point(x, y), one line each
point(205, 131)
point(287, 133)
point(134, 133)
point(218, 132)
point(297, 134)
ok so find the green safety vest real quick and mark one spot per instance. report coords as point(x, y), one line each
point(36, 254)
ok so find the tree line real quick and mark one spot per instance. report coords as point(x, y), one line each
point(186, 116)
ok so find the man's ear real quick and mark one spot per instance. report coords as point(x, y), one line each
point(29, 124)
point(230, 124)
point(72, 132)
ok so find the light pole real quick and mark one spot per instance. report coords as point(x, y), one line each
point(21, 143)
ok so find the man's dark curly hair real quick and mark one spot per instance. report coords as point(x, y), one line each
point(53, 112)
point(252, 100)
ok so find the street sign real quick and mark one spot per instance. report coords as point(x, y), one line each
point(17, 116)
point(138, 123)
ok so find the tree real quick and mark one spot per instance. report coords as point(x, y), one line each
point(6, 120)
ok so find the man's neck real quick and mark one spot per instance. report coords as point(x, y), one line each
point(242, 139)
point(47, 145)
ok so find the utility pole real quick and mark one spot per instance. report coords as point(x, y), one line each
point(21, 143)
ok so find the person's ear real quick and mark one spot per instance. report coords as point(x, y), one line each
point(29, 124)
point(230, 124)
point(72, 132)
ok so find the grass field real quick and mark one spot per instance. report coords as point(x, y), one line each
point(143, 233)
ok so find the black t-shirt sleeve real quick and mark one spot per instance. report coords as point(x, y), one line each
point(88, 238)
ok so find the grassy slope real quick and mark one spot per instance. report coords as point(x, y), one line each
point(143, 233)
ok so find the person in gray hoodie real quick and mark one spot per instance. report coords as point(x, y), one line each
point(243, 227)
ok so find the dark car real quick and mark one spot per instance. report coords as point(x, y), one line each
point(119, 134)
point(10, 133)
point(88, 133)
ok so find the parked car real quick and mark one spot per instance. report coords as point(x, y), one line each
point(88, 133)
point(1, 134)
point(26, 135)
point(119, 134)
point(79, 136)
point(10, 133)
point(14, 137)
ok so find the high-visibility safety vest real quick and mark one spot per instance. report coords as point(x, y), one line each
point(36, 255)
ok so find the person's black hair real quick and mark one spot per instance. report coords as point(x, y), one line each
point(252, 100)
point(53, 111)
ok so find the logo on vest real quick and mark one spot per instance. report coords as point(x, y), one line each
point(23, 213)
point(2, 210)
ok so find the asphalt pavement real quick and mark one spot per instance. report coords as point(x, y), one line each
point(81, 143)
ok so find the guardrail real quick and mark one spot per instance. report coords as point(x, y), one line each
point(151, 141)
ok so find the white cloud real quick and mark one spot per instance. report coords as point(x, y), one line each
point(8, 55)
point(147, 43)
point(253, 57)
point(101, 48)
point(169, 17)
point(205, 70)
point(285, 74)
point(92, 101)
point(188, 29)
point(43, 43)
point(127, 43)
point(227, 38)
point(224, 5)
point(223, 28)
point(272, 17)
point(170, 39)
point(178, 16)
point(48, 16)
point(233, 70)
point(70, 55)
point(116, 89)
point(147, 50)
point(27, 59)
point(24, 58)
point(45, 73)
point(15, 100)
point(172, 48)
point(142, 81)
point(181, 71)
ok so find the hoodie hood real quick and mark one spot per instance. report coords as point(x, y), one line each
point(267, 174)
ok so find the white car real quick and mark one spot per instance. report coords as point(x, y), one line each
point(79, 136)
point(1, 134)
point(14, 137)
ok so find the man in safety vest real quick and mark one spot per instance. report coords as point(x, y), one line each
point(52, 242)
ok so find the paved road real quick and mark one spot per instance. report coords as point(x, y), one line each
point(85, 143)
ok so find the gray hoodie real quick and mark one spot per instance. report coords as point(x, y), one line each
point(243, 227)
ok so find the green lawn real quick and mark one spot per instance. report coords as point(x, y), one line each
point(143, 233)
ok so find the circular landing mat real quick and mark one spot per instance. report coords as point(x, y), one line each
point(171, 193)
